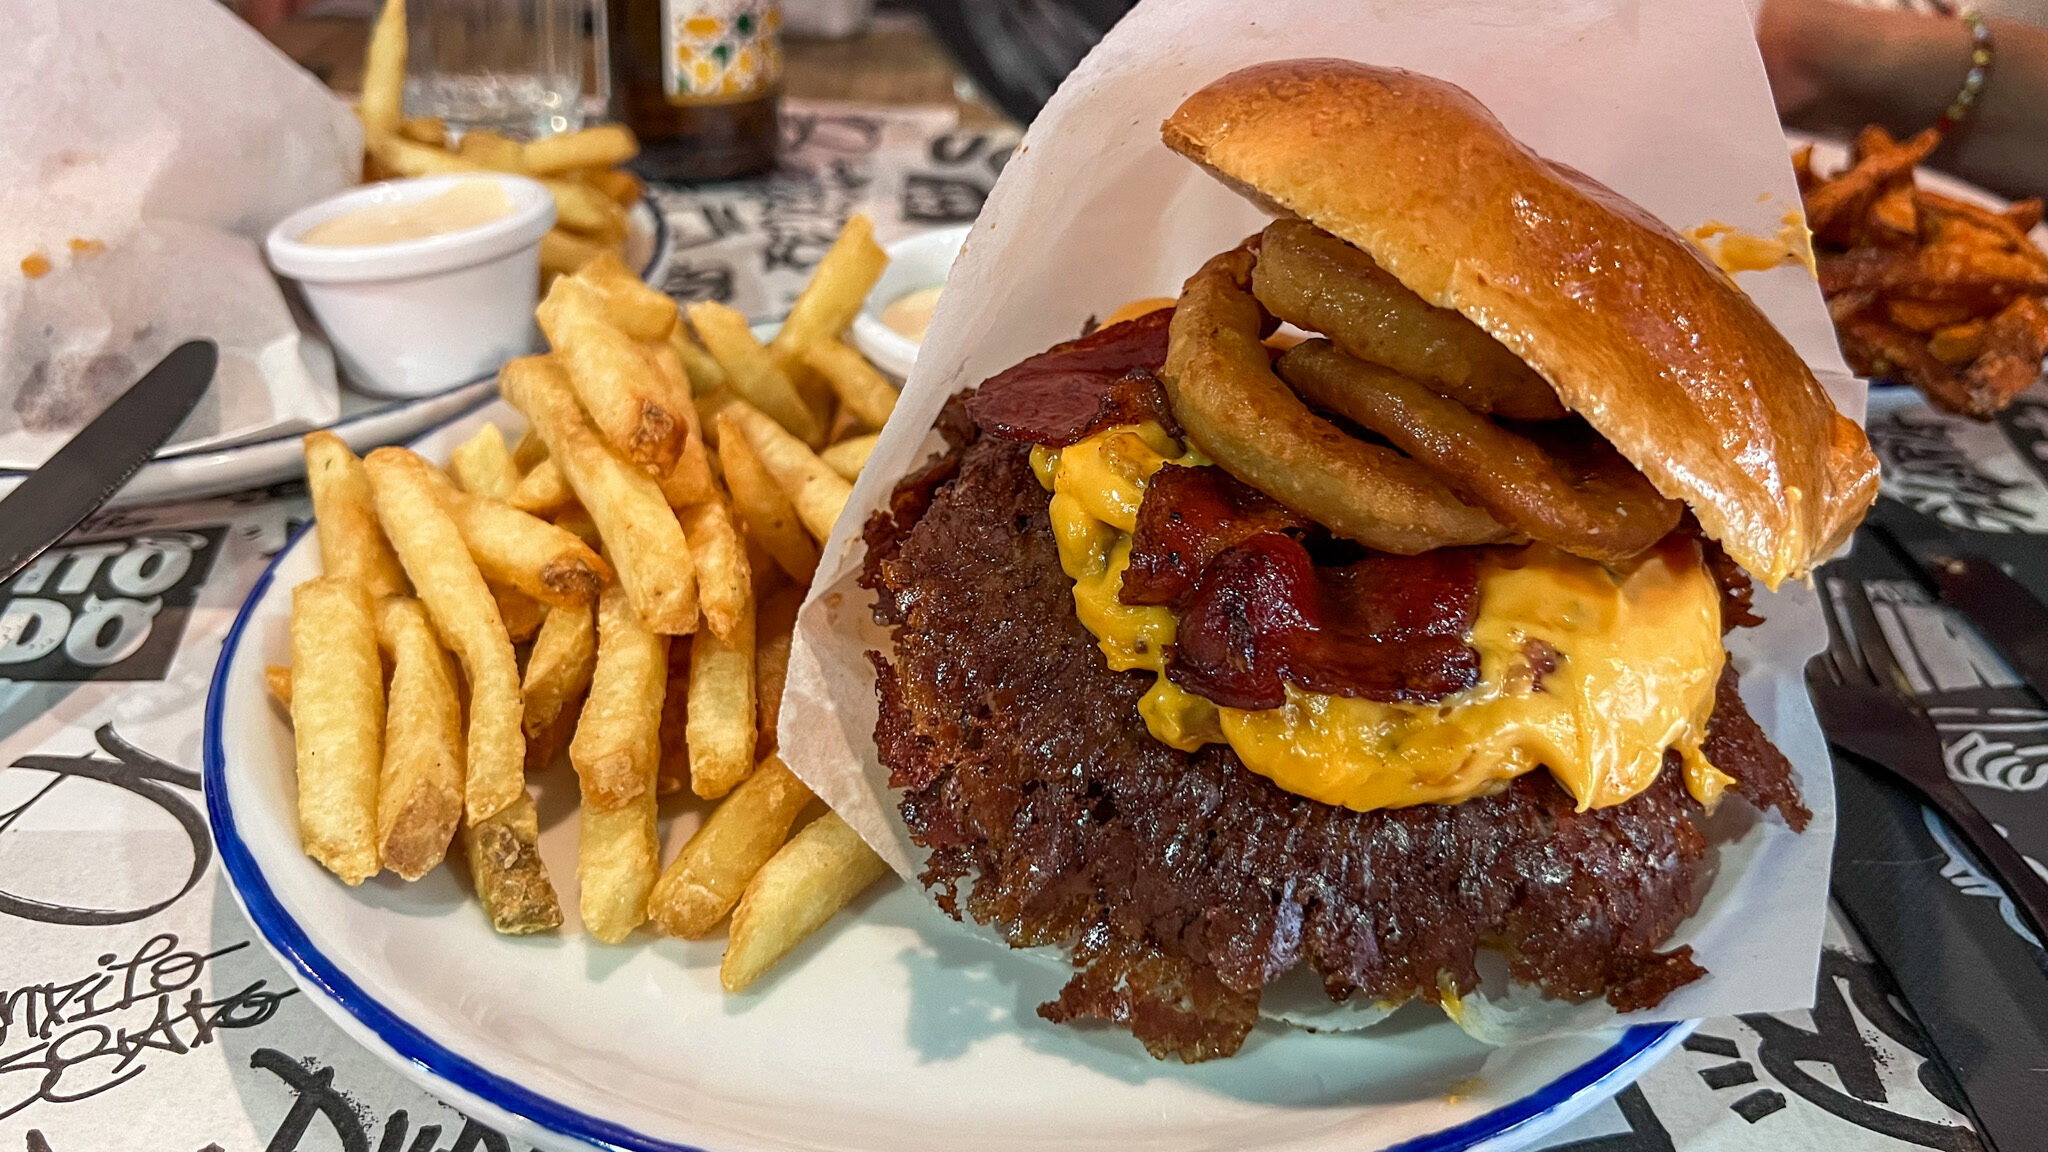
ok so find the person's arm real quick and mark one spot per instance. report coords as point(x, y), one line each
point(1835, 68)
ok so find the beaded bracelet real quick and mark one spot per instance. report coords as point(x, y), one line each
point(1981, 56)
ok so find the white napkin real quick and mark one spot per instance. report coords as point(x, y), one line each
point(1663, 100)
point(146, 147)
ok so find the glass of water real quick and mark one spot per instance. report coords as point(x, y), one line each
point(511, 66)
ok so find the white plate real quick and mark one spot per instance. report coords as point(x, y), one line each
point(364, 421)
point(892, 1029)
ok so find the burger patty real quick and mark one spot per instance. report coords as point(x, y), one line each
point(1183, 883)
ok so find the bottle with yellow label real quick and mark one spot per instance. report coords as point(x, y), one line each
point(698, 81)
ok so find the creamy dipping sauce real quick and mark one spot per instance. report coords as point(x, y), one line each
point(911, 313)
point(470, 204)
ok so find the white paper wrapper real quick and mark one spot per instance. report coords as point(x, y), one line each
point(1663, 100)
point(171, 135)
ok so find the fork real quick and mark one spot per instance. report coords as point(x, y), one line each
point(1866, 708)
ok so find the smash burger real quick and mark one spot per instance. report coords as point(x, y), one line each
point(1219, 653)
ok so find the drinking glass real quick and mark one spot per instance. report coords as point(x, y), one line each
point(510, 66)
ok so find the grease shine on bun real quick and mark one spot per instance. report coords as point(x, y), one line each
point(1655, 347)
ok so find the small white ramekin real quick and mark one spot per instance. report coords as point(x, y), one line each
point(422, 316)
point(915, 262)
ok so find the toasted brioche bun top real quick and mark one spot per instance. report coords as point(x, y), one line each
point(1652, 345)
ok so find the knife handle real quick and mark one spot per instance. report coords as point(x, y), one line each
point(2005, 862)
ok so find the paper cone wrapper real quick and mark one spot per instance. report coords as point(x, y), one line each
point(1664, 101)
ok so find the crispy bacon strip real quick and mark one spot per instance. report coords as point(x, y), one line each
point(1189, 517)
point(1388, 628)
point(1073, 389)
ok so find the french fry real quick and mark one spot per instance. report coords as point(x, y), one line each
point(510, 877)
point(412, 158)
point(838, 287)
point(618, 857)
point(576, 519)
point(483, 465)
point(690, 481)
point(771, 519)
point(544, 748)
point(425, 130)
point(642, 538)
point(559, 667)
point(604, 146)
point(817, 873)
point(613, 377)
point(701, 367)
point(724, 583)
point(382, 103)
point(337, 724)
point(720, 728)
point(814, 489)
point(752, 372)
point(849, 456)
point(617, 742)
point(860, 387)
point(544, 491)
point(419, 791)
point(616, 751)
point(581, 208)
point(521, 613)
point(563, 253)
point(774, 627)
point(705, 880)
point(492, 150)
point(528, 451)
point(277, 680)
point(464, 613)
point(622, 186)
point(634, 308)
point(351, 543)
point(523, 551)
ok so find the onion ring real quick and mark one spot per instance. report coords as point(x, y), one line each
point(1312, 279)
point(1235, 410)
point(1600, 507)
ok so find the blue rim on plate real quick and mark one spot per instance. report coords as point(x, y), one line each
point(657, 249)
point(285, 936)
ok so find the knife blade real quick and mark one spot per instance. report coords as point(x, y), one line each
point(92, 466)
point(2006, 613)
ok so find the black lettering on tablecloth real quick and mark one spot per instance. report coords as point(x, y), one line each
point(319, 1107)
point(1926, 468)
point(134, 771)
point(104, 609)
point(1788, 1052)
point(75, 1037)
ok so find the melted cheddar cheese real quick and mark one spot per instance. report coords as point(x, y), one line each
point(1636, 655)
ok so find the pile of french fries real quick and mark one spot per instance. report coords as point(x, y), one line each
point(580, 169)
point(621, 581)
point(1949, 295)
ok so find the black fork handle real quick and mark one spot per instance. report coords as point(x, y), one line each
point(2006, 864)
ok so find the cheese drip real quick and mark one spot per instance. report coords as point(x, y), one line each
point(1636, 655)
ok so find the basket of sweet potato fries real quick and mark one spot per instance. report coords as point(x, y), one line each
point(1946, 295)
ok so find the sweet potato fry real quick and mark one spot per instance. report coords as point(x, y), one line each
point(2014, 344)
